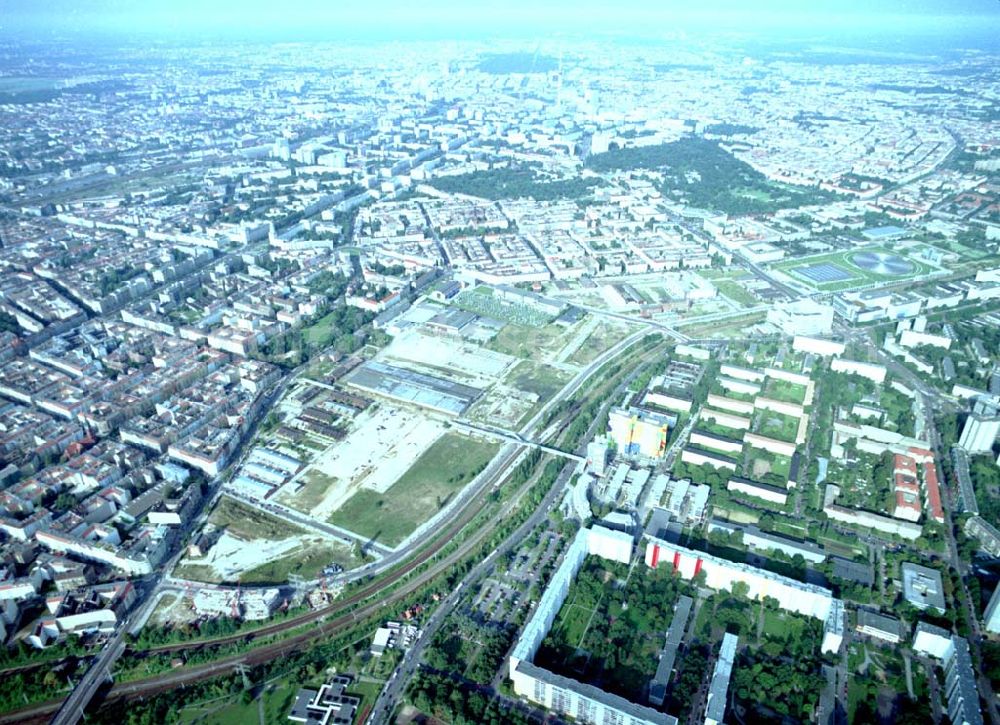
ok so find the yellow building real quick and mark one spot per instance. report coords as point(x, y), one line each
point(639, 433)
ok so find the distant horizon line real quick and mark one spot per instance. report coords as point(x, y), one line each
point(911, 26)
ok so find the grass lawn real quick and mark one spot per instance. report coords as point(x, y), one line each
point(760, 466)
point(320, 332)
point(604, 337)
point(785, 391)
point(538, 378)
point(782, 626)
point(736, 292)
point(439, 473)
point(278, 699)
point(736, 516)
point(277, 702)
point(781, 465)
point(777, 426)
point(197, 572)
point(840, 548)
point(572, 623)
point(307, 561)
point(250, 523)
point(233, 712)
point(367, 691)
point(529, 342)
point(727, 273)
point(314, 488)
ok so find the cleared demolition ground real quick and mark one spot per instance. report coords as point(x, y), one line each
point(390, 514)
point(245, 545)
point(381, 445)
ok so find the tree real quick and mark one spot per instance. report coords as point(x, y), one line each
point(741, 590)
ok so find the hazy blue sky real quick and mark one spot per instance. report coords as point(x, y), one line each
point(450, 17)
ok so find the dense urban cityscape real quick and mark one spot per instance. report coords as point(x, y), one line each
point(572, 379)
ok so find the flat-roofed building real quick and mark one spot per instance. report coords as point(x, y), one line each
point(706, 439)
point(665, 667)
point(991, 617)
point(922, 587)
point(875, 373)
point(763, 491)
point(960, 685)
point(931, 640)
point(853, 571)
point(718, 690)
point(640, 433)
point(879, 626)
point(701, 456)
point(817, 346)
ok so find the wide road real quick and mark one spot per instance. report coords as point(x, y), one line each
point(932, 402)
point(329, 621)
point(150, 588)
point(77, 701)
point(387, 699)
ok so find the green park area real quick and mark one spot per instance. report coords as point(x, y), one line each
point(708, 177)
point(784, 391)
point(610, 629)
point(443, 469)
point(776, 425)
point(515, 183)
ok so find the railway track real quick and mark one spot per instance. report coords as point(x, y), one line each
point(329, 621)
point(341, 614)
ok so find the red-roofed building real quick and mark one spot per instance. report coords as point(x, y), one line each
point(904, 465)
point(932, 493)
point(907, 506)
point(906, 488)
point(921, 455)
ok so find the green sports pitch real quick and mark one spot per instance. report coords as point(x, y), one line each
point(835, 271)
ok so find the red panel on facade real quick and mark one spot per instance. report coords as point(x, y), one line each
point(656, 555)
point(677, 560)
point(697, 566)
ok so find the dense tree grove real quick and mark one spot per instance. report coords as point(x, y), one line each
point(986, 479)
point(471, 647)
point(611, 627)
point(783, 674)
point(445, 699)
point(514, 183)
point(708, 177)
